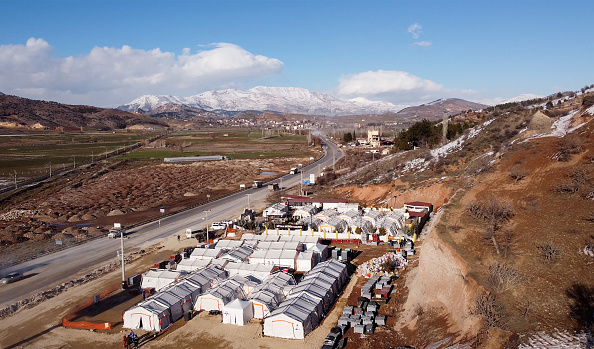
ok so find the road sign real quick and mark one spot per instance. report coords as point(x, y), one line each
point(162, 210)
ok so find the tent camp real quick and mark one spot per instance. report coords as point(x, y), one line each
point(238, 254)
point(238, 312)
point(258, 271)
point(159, 278)
point(206, 253)
point(204, 278)
point(336, 267)
point(292, 320)
point(149, 316)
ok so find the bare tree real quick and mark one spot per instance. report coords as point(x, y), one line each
point(502, 277)
point(495, 212)
point(518, 173)
point(487, 308)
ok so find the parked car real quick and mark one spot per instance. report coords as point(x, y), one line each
point(218, 226)
point(12, 277)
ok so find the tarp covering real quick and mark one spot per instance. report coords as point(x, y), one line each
point(238, 312)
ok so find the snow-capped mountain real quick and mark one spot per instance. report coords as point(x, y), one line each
point(521, 98)
point(266, 99)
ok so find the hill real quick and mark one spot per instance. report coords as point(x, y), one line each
point(23, 113)
point(436, 109)
point(510, 259)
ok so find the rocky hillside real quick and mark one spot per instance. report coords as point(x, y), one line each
point(436, 109)
point(510, 259)
point(23, 113)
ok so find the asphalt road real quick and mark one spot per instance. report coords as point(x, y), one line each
point(45, 272)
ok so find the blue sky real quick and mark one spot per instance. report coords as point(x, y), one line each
point(107, 53)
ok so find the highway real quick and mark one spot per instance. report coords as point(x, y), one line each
point(45, 272)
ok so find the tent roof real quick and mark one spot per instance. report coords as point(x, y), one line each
point(238, 304)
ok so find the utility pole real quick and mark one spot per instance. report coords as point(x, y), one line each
point(301, 183)
point(122, 254)
point(74, 162)
point(15, 179)
point(206, 224)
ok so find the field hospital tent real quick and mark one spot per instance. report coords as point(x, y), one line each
point(292, 319)
point(204, 278)
point(238, 312)
point(192, 264)
point(159, 278)
point(172, 302)
point(149, 316)
point(320, 278)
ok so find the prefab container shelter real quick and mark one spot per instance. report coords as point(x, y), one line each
point(288, 258)
point(238, 312)
point(229, 244)
point(206, 253)
point(320, 252)
point(238, 254)
point(148, 316)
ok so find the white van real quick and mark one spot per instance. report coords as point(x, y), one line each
point(218, 226)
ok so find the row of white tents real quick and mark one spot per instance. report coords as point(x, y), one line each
point(307, 302)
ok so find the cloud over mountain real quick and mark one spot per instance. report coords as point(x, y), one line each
point(106, 75)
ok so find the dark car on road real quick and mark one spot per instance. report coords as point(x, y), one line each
point(12, 277)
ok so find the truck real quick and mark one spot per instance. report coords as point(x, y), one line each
point(294, 170)
point(273, 186)
point(116, 232)
point(193, 232)
point(257, 184)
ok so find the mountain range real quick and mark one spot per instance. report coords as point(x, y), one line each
point(264, 99)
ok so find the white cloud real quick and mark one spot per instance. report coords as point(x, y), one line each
point(112, 76)
point(397, 87)
point(422, 43)
point(384, 81)
point(415, 30)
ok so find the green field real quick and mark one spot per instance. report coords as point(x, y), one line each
point(31, 155)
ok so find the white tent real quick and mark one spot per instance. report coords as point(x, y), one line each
point(172, 302)
point(258, 257)
point(264, 302)
point(239, 254)
point(184, 293)
point(220, 295)
point(149, 316)
point(314, 301)
point(320, 278)
point(305, 261)
point(293, 320)
point(192, 288)
point(335, 266)
point(317, 290)
point(159, 278)
point(238, 312)
point(256, 270)
point(207, 253)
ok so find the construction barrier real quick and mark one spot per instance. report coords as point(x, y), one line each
point(66, 321)
point(86, 325)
